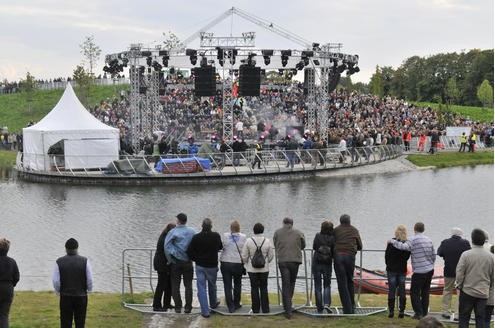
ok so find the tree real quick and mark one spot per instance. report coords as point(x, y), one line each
point(91, 53)
point(376, 82)
point(452, 93)
point(84, 80)
point(485, 93)
point(28, 86)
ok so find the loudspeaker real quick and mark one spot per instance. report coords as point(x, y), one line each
point(204, 81)
point(249, 81)
point(309, 79)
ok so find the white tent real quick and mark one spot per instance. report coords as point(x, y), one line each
point(87, 142)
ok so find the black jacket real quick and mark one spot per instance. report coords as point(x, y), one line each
point(9, 273)
point(396, 259)
point(451, 250)
point(160, 260)
point(324, 240)
point(204, 248)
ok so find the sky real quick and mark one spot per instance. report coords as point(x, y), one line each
point(43, 37)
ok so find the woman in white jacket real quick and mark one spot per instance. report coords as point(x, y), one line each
point(258, 276)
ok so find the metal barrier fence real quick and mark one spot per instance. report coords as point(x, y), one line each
point(228, 163)
point(304, 282)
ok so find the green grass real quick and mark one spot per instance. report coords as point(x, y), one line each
point(449, 159)
point(7, 159)
point(40, 309)
point(15, 111)
point(477, 114)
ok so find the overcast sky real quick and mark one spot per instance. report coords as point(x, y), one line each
point(44, 36)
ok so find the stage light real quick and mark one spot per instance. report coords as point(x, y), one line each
point(316, 46)
point(316, 62)
point(267, 60)
point(204, 62)
point(266, 55)
point(192, 53)
point(220, 56)
point(307, 53)
point(300, 65)
point(157, 66)
point(148, 61)
point(232, 53)
point(285, 56)
point(145, 53)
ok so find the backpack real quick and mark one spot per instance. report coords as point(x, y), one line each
point(258, 260)
point(323, 254)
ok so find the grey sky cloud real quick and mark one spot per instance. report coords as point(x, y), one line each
point(43, 36)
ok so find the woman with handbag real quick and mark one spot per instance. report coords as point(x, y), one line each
point(323, 246)
point(258, 276)
point(232, 266)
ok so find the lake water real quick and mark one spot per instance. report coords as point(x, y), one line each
point(39, 218)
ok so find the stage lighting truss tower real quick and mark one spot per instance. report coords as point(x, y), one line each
point(227, 94)
point(134, 96)
point(311, 98)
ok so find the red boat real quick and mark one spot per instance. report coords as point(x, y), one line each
point(375, 281)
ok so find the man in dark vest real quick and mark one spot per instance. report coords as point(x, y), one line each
point(72, 280)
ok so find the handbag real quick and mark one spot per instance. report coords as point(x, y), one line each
point(242, 263)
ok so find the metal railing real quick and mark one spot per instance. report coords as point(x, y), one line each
point(228, 163)
point(304, 279)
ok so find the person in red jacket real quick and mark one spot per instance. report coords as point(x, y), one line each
point(422, 142)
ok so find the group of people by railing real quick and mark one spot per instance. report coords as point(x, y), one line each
point(470, 271)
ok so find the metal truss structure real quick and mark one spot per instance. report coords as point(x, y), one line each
point(146, 63)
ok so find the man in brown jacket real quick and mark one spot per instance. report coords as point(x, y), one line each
point(288, 243)
point(347, 243)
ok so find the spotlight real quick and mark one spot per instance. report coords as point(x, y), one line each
point(341, 68)
point(231, 54)
point(316, 46)
point(266, 55)
point(316, 62)
point(157, 66)
point(250, 60)
point(148, 60)
point(307, 53)
point(285, 56)
point(125, 61)
point(204, 62)
point(192, 53)
point(220, 56)
point(165, 61)
point(267, 60)
point(300, 65)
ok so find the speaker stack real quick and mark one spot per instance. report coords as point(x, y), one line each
point(204, 81)
point(249, 81)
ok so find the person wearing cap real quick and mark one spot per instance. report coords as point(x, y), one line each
point(72, 279)
point(176, 244)
point(9, 277)
point(450, 250)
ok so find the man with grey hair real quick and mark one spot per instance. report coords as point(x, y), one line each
point(288, 243)
point(450, 250)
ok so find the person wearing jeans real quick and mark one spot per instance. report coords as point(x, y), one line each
point(396, 261)
point(323, 246)
point(176, 243)
point(422, 261)
point(203, 250)
point(347, 243)
point(288, 244)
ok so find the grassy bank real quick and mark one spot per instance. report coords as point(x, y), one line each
point(449, 159)
point(40, 309)
point(16, 111)
point(7, 159)
point(475, 113)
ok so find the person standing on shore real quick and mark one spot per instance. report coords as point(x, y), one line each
point(396, 261)
point(288, 244)
point(203, 250)
point(474, 277)
point(232, 266)
point(163, 288)
point(347, 243)
point(323, 247)
point(181, 268)
point(72, 279)
point(422, 260)
point(450, 250)
point(9, 276)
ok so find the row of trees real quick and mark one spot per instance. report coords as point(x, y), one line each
point(448, 78)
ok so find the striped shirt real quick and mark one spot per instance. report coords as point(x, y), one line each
point(422, 252)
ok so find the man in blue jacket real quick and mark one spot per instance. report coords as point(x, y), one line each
point(176, 244)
